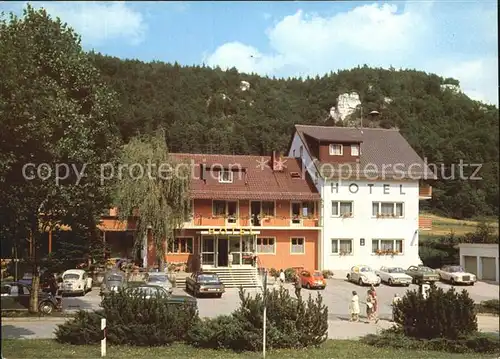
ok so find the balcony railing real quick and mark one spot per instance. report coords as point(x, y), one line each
point(254, 221)
point(425, 223)
point(425, 192)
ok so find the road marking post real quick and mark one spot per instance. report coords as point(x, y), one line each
point(103, 340)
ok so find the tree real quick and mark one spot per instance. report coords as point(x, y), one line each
point(58, 126)
point(155, 188)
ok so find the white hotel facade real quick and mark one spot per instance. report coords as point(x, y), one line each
point(370, 182)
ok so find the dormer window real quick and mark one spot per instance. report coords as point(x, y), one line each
point(354, 150)
point(225, 176)
point(336, 149)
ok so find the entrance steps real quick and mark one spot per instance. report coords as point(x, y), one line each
point(235, 277)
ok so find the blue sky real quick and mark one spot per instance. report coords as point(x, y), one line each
point(451, 38)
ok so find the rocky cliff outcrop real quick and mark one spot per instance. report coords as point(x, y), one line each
point(347, 104)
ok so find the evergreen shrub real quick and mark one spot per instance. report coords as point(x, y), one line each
point(475, 343)
point(131, 319)
point(290, 274)
point(444, 314)
point(291, 323)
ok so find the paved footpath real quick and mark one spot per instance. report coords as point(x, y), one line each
point(23, 328)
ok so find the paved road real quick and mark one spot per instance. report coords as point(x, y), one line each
point(336, 296)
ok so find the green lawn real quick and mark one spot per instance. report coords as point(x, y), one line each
point(17, 349)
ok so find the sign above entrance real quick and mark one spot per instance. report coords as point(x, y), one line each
point(226, 231)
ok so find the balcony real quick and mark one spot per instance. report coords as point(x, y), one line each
point(265, 221)
point(425, 223)
point(425, 192)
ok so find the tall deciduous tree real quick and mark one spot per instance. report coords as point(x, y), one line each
point(155, 187)
point(54, 109)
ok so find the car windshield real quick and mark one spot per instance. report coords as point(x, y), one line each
point(365, 269)
point(208, 278)
point(425, 269)
point(115, 278)
point(395, 270)
point(317, 274)
point(157, 278)
point(455, 269)
point(71, 276)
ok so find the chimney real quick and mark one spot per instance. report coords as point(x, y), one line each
point(273, 160)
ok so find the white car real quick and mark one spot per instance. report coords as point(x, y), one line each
point(363, 275)
point(159, 279)
point(394, 276)
point(76, 281)
point(456, 275)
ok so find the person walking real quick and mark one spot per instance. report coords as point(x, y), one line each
point(282, 277)
point(395, 301)
point(369, 305)
point(375, 303)
point(354, 307)
point(298, 286)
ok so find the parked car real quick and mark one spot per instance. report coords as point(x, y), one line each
point(394, 276)
point(313, 279)
point(204, 283)
point(16, 296)
point(151, 291)
point(421, 274)
point(456, 274)
point(45, 279)
point(159, 279)
point(113, 280)
point(76, 281)
point(363, 275)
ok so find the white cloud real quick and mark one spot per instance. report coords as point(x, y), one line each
point(478, 78)
point(378, 35)
point(99, 22)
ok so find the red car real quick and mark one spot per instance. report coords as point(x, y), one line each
point(312, 279)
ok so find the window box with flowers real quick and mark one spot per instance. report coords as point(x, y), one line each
point(347, 215)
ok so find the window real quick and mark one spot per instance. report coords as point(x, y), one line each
point(225, 176)
point(181, 245)
point(301, 151)
point(266, 245)
point(387, 245)
point(297, 246)
point(354, 150)
point(336, 149)
point(342, 209)
point(219, 208)
point(387, 209)
point(268, 209)
point(227, 209)
point(293, 153)
point(342, 246)
point(302, 209)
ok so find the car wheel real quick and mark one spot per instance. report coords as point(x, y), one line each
point(472, 283)
point(389, 282)
point(407, 285)
point(46, 308)
point(219, 295)
point(348, 277)
point(308, 286)
point(452, 281)
point(360, 282)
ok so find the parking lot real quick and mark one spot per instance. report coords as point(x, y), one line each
point(336, 296)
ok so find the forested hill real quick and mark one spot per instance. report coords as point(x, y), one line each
point(210, 110)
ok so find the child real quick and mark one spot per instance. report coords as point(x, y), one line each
point(354, 307)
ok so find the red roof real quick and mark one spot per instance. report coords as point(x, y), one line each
point(253, 178)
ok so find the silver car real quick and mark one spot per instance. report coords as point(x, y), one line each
point(159, 279)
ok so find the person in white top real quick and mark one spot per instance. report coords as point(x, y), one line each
point(354, 307)
point(282, 277)
point(395, 301)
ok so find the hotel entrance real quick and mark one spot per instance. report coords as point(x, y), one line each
point(218, 249)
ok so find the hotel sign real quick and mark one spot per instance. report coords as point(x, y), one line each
point(236, 231)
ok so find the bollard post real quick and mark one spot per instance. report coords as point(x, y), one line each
point(103, 340)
